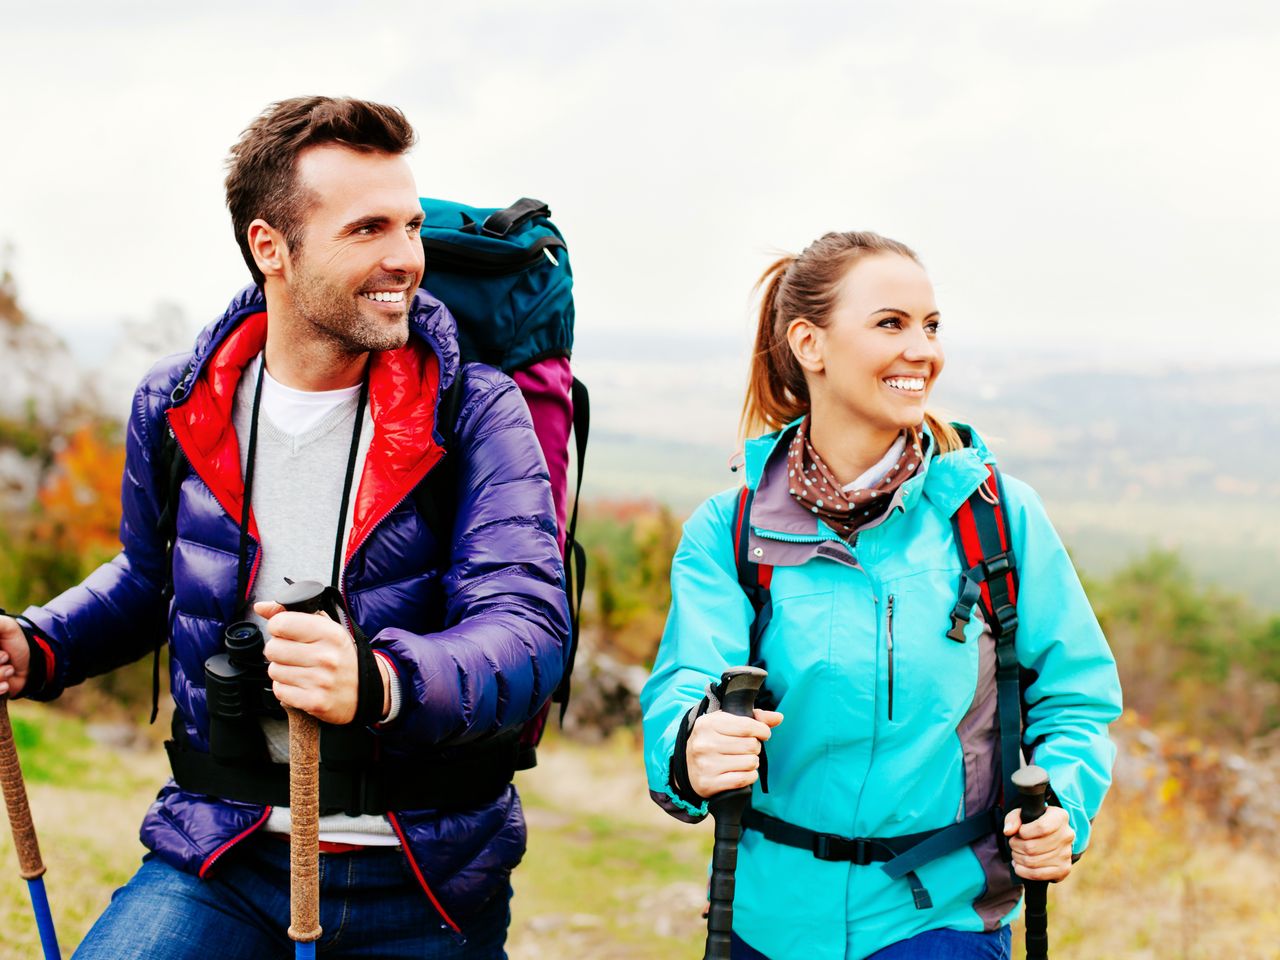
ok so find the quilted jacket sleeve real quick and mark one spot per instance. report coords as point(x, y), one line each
point(503, 650)
point(1074, 691)
point(117, 614)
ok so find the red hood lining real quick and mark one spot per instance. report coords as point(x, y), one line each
point(403, 385)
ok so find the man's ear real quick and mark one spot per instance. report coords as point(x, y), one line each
point(269, 249)
point(807, 340)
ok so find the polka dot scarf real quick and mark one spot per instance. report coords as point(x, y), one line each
point(819, 492)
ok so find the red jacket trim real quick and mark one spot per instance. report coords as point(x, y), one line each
point(403, 385)
point(417, 872)
point(209, 860)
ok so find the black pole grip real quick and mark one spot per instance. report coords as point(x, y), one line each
point(309, 596)
point(737, 692)
point(1032, 782)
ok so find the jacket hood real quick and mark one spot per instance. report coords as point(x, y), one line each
point(947, 481)
point(429, 321)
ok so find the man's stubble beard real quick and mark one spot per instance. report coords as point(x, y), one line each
point(334, 315)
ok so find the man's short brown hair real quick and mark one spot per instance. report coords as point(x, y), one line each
point(262, 169)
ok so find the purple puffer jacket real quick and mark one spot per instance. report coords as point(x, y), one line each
point(478, 646)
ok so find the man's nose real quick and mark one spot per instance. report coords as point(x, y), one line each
point(404, 255)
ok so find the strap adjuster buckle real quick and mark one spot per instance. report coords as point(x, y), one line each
point(832, 847)
point(1007, 617)
point(997, 566)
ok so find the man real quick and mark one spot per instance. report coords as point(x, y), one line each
point(304, 419)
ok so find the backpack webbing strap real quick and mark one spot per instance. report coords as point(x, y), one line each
point(990, 578)
point(901, 856)
point(502, 222)
point(575, 555)
point(754, 578)
point(173, 470)
point(464, 781)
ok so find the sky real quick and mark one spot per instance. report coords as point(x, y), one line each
point(1091, 178)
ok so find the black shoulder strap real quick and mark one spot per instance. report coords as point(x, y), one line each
point(575, 555)
point(990, 579)
point(172, 467)
point(753, 577)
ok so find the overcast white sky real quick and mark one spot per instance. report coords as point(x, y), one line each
point(1088, 175)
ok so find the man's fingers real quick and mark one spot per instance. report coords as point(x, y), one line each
point(304, 678)
point(297, 653)
point(299, 698)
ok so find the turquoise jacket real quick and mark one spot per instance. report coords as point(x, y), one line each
point(853, 756)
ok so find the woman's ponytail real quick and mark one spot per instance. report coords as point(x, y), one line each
point(774, 377)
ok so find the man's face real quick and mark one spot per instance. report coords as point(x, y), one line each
point(361, 257)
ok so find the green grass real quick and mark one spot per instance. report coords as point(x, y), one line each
point(608, 876)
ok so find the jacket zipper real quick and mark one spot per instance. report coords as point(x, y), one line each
point(889, 636)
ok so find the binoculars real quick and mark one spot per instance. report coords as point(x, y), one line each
point(239, 694)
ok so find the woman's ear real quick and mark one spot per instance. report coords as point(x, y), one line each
point(807, 341)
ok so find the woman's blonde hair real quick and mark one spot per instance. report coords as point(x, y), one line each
point(807, 286)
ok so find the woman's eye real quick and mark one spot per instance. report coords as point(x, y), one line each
point(933, 326)
point(891, 323)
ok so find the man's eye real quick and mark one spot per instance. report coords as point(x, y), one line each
point(367, 230)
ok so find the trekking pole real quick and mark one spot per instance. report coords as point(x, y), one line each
point(738, 689)
point(30, 864)
point(306, 596)
point(1031, 783)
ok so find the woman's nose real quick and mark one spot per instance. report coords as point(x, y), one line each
point(920, 346)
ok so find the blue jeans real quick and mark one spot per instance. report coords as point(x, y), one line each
point(930, 945)
point(370, 907)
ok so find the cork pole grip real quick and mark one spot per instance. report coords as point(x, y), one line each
point(15, 798)
point(304, 840)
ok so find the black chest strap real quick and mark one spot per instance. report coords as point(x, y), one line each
point(901, 856)
point(475, 776)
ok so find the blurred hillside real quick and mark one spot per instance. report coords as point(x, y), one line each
point(1176, 458)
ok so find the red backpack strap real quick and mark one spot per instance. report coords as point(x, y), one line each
point(991, 579)
point(753, 577)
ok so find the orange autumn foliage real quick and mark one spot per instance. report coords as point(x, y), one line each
point(80, 498)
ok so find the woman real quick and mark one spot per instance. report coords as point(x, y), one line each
point(887, 684)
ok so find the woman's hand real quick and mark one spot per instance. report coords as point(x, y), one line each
point(1042, 848)
point(723, 751)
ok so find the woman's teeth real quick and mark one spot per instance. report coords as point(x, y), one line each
point(385, 296)
point(906, 383)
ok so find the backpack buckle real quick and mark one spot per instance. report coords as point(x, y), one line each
point(1007, 618)
point(832, 847)
point(997, 566)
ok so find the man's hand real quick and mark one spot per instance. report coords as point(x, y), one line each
point(312, 664)
point(1042, 848)
point(15, 654)
point(723, 751)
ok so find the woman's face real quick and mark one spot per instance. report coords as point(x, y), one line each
point(879, 357)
